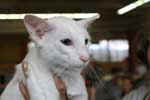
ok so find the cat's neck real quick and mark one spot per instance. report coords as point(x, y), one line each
point(34, 60)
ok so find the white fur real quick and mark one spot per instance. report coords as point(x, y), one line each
point(47, 55)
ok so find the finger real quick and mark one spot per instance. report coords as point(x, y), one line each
point(25, 69)
point(60, 85)
point(58, 81)
point(24, 91)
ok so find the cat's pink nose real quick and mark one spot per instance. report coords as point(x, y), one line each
point(84, 58)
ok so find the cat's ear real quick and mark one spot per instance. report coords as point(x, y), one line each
point(87, 22)
point(36, 27)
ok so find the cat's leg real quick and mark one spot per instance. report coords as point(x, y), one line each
point(81, 89)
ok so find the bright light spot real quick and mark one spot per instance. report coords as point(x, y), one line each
point(119, 50)
point(119, 45)
point(94, 47)
point(70, 15)
point(110, 51)
point(126, 9)
point(103, 43)
point(132, 6)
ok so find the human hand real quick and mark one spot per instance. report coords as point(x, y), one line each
point(22, 87)
point(60, 85)
point(58, 82)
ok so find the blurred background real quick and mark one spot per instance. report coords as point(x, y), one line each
point(116, 38)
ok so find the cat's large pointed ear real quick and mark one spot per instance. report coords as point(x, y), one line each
point(87, 22)
point(36, 27)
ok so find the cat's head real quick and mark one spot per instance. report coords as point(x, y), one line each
point(61, 41)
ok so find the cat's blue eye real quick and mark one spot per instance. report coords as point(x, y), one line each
point(66, 42)
point(86, 41)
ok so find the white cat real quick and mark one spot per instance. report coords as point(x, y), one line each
point(60, 45)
